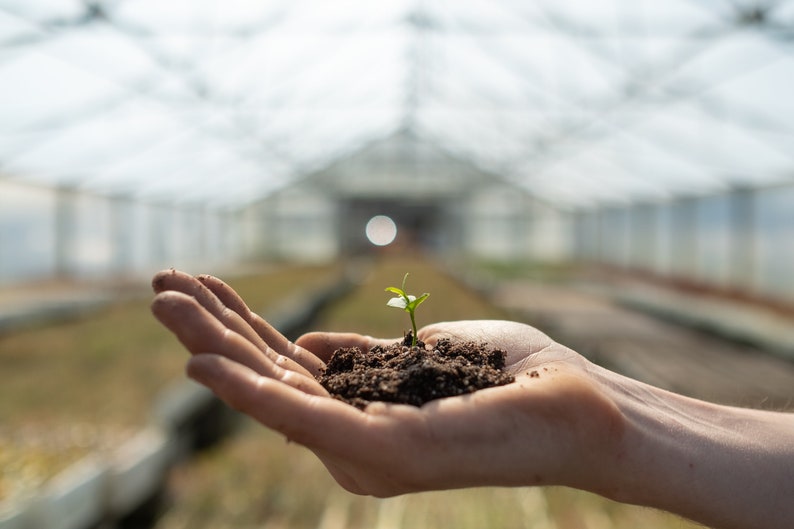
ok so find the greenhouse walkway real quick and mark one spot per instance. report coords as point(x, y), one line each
point(732, 353)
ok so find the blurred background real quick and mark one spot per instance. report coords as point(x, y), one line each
point(619, 173)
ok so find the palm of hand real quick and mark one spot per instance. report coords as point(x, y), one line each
point(456, 441)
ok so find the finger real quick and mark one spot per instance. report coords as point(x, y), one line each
point(199, 331)
point(182, 282)
point(317, 422)
point(277, 341)
point(323, 344)
point(223, 302)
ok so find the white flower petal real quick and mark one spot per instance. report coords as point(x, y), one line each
point(397, 302)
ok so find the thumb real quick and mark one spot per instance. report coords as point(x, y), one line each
point(323, 344)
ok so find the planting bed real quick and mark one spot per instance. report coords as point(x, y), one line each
point(86, 387)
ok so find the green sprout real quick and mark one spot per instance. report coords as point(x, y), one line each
point(408, 303)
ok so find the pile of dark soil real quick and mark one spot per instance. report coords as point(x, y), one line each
point(403, 374)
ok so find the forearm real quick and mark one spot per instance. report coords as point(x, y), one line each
point(722, 466)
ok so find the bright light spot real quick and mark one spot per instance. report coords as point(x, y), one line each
point(381, 230)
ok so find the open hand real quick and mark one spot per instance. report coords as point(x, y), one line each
point(544, 428)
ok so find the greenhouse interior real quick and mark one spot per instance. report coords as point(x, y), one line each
point(618, 174)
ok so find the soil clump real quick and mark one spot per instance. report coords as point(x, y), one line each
point(415, 375)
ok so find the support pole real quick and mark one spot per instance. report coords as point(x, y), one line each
point(743, 250)
point(65, 230)
point(121, 234)
point(685, 238)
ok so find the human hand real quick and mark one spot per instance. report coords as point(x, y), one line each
point(553, 425)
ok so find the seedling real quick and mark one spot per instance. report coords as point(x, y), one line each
point(408, 303)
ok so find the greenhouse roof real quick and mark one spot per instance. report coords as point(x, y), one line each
point(580, 102)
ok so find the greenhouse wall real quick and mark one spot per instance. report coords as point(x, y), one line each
point(501, 224)
point(741, 240)
point(59, 232)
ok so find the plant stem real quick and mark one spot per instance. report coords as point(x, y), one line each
point(413, 326)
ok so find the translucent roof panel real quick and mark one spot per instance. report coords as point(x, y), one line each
point(579, 102)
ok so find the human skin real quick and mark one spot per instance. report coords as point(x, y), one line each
point(564, 421)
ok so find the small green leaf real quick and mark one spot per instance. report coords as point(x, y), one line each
point(396, 291)
point(416, 301)
point(408, 303)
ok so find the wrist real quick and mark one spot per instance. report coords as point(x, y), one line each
point(723, 466)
